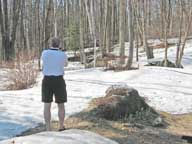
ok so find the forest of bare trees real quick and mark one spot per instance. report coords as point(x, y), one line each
point(27, 25)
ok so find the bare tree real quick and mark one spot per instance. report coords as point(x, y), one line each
point(131, 35)
point(122, 5)
point(81, 35)
point(9, 32)
point(48, 23)
point(55, 18)
point(180, 32)
point(149, 51)
point(166, 9)
point(91, 21)
point(187, 30)
point(2, 31)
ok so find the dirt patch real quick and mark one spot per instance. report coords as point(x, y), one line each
point(127, 133)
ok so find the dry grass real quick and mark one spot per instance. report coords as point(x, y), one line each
point(24, 72)
point(179, 124)
point(124, 133)
point(6, 64)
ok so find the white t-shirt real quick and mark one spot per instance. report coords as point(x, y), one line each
point(54, 61)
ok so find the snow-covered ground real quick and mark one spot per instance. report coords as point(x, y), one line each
point(72, 136)
point(165, 89)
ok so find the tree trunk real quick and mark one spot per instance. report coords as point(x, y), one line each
point(166, 18)
point(131, 36)
point(91, 26)
point(180, 33)
point(2, 33)
point(187, 30)
point(112, 21)
point(122, 31)
point(6, 35)
point(9, 33)
point(102, 36)
point(149, 51)
point(48, 24)
point(55, 19)
point(40, 48)
point(109, 26)
point(23, 42)
point(81, 27)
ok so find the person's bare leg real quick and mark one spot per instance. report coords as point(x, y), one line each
point(47, 115)
point(61, 114)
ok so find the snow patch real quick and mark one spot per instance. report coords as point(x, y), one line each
point(72, 136)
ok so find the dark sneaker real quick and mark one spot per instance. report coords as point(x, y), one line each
point(62, 129)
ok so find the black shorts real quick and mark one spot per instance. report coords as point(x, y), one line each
point(54, 85)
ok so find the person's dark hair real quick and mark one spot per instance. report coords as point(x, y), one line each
point(55, 42)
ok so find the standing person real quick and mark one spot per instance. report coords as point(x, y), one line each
point(54, 60)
